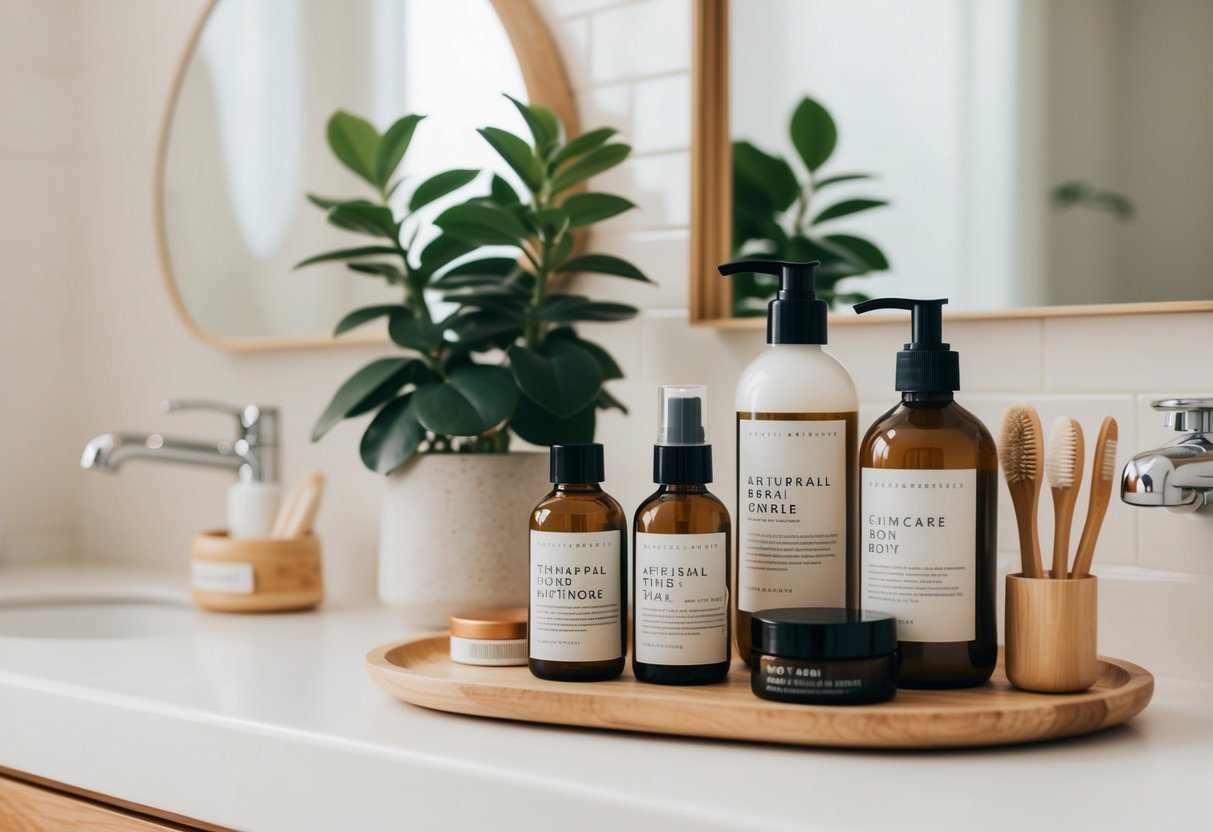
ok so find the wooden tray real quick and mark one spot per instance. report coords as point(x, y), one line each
point(421, 672)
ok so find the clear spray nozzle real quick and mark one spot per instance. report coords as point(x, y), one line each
point(680, 409)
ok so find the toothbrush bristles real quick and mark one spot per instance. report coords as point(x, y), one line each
point(1109, 460)
point(1061, 454)
point(1018, 449)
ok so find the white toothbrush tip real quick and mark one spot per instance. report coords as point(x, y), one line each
point(1061, 454)
point(1109, 460)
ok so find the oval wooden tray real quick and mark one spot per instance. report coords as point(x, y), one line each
point(421, 672)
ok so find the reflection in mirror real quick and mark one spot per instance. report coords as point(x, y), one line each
point(247, 139)
point(1031, 154)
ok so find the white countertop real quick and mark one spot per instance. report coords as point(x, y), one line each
point(271, 722)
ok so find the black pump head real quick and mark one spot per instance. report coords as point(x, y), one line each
point(927, 364)
point(795, 315)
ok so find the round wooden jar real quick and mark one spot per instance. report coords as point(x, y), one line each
point(255, 574)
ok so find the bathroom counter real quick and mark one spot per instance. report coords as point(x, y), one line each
point(271, 722)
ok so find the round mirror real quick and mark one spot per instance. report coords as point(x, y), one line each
point(244, 141)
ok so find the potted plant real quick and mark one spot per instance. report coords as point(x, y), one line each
point(506, 362)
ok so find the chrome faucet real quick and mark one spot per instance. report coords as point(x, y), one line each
point(1179, 475)
point(253, 455)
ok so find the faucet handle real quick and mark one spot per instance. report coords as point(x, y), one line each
point(256, 425)
point(1186, 415)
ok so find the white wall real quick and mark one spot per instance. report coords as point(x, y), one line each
point(90, 342)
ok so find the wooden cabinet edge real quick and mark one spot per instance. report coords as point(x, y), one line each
point(34, 804)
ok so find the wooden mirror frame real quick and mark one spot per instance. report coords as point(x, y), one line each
point(546, 82)
point(712, 198)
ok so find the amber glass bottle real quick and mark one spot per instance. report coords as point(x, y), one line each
point(928, 509)
point(577, 627)
point(680, 557)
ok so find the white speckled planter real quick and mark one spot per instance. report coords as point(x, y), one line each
point(453, 534)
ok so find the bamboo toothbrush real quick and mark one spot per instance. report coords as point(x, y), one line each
point(1022, 453)
point(298, 511)
point(1103, 473)
point(1064, 458)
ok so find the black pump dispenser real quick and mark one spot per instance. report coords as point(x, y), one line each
point(795, 315)
point(926, 365)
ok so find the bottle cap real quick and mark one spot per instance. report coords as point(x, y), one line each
point(579, 463)
point(927, 364)
point(681, 456)
point(823, 633)
point(794, 315)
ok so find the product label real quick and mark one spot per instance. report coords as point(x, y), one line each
point(792, 513)
point(576, 608)
point(216, 576)
point(682, 598)
point(917, 547)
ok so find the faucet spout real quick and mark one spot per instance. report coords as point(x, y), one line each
point(109, 451)
point(1177, 476)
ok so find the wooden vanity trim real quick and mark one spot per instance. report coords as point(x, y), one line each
point(35, 804)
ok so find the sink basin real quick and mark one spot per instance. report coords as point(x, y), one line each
point(86, 617)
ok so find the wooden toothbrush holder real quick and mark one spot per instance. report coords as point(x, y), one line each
point(255, 574)
point(1051, 634)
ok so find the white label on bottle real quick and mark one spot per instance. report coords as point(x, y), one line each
point(216, 576)
point(576, 608)
point(682, 598)
point(918, 551)
point(792, 512)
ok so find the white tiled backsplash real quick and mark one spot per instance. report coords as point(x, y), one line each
point(89, 342)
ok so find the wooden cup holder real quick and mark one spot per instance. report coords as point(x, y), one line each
point(255, 574)
point(1051, 634)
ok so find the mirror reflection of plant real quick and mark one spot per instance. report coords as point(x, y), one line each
point(535, 375)
point(776, 214)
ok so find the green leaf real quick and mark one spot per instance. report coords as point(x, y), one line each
point(842, 177)
point(583, 144)
point(502, 192)
point(392, 274)
point(862, 251)
point(480, 331)
point(603, 264)
point(495, 267)
point(369, 382)
point(392, 438)
point(594, 162)
point(328, 202)
point(609, 367)
point(773, 176)
point(542, 122)
point(847, 207)
point(538, 426)
point(482, 223)
point(606, 401)
point(364, 315)
point(353, 141)
point(474, 400)
point(561, 377)
point(553, 221)
point(578, 308)
point(414, 333)
point(347, 254)
point(391, 148)
point(442, 250)
point(439, 185)
point(365, 218)
point(588, 208)
point(517, 154)
point(813, 133)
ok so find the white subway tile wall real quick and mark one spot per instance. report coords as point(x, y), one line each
point(89, 341)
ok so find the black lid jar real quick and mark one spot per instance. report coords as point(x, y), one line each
point(824, 656)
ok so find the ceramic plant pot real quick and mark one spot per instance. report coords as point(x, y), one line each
point(453, 533)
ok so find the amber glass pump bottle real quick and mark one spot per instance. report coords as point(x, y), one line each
point(680, 567)
point(928, 509)
point(577, 627)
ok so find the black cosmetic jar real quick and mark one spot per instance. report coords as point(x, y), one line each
point(823, 656)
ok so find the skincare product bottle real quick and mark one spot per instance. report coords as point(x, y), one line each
point(577, 617)
point(797, 431)
point(680, 566)
point(928, 508)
